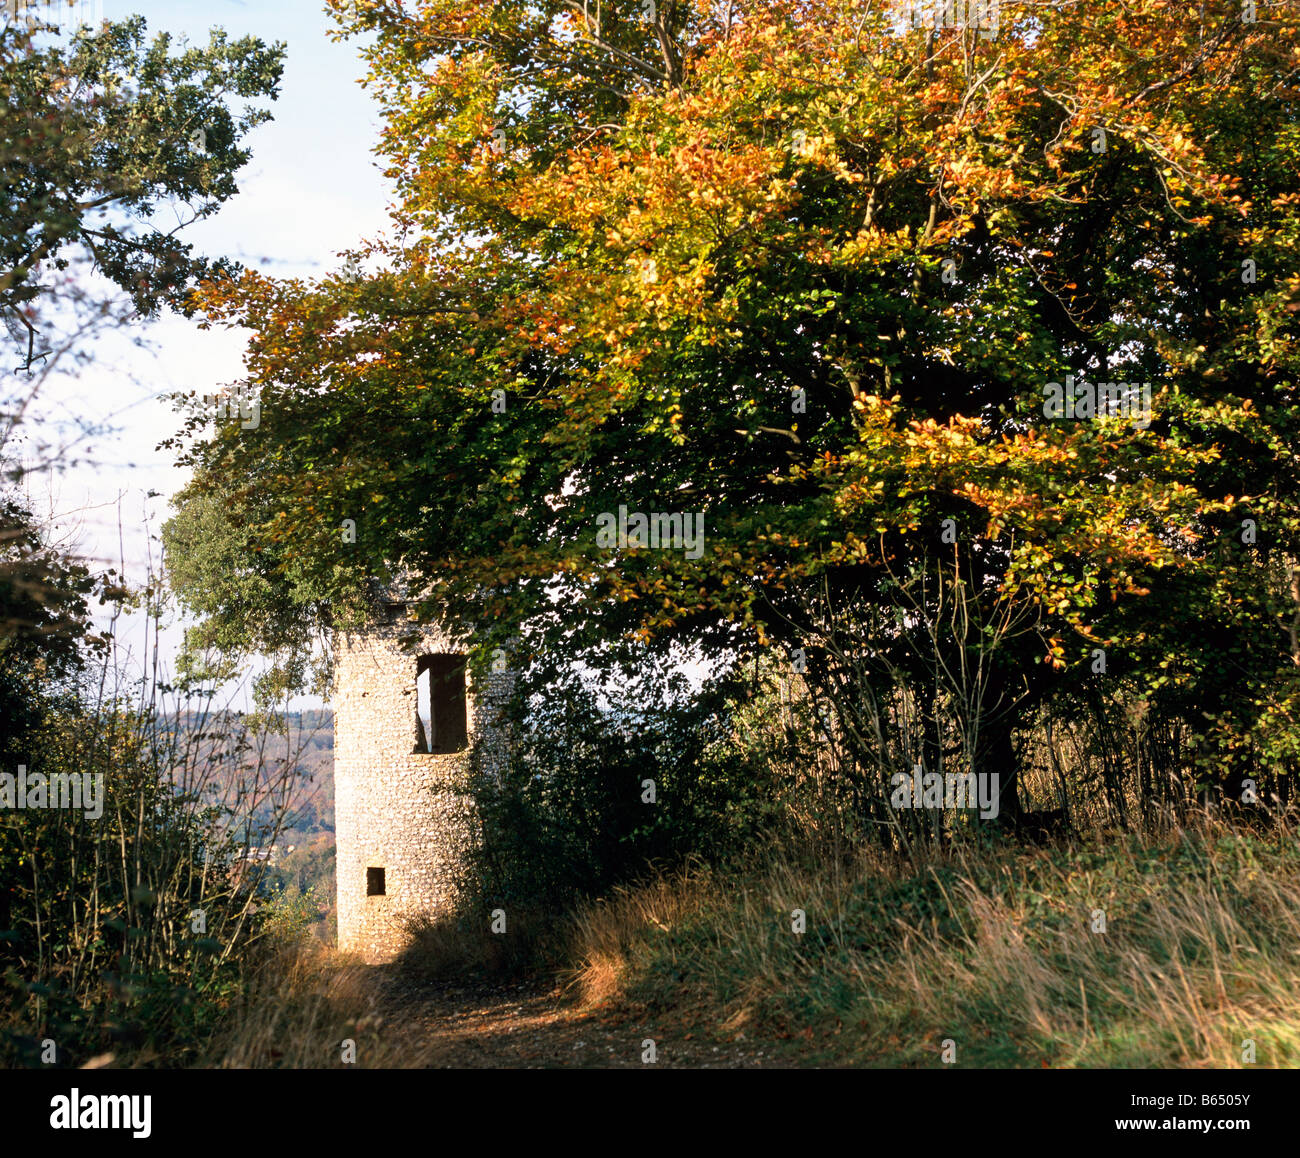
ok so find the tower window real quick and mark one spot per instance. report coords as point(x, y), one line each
point(375, 882)
point(440, 721)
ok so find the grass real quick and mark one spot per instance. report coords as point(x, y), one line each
point(460, 946)
point(991, 947)
point(299, 1006)
point(996, 948)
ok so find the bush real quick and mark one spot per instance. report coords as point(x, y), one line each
point(606, 781)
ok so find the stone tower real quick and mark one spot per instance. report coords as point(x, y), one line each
point(405, 720)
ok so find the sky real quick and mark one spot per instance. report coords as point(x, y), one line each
point(312, 188)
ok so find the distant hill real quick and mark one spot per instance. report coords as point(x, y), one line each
point(229, 753)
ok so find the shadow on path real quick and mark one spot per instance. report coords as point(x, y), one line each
point(529, 1024)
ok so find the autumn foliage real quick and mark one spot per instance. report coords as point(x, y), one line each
point(808, 270)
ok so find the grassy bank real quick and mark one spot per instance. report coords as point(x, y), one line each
point(991, 947)
point(300, 1004)
point(1163, 951)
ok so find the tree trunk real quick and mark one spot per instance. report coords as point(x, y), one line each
point(995, 755)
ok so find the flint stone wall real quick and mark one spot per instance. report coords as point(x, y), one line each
point(409, 813)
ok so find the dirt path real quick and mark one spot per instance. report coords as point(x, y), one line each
point(530, 1025)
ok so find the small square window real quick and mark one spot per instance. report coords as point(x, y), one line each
point(374, 882)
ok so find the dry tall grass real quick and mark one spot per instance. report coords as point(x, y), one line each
point(998, 948)
point(302, 1003)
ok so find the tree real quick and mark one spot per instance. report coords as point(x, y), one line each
point(111, 145)
point(101, 133)
point(119, 914)
point(821, 278)
point(46, 633)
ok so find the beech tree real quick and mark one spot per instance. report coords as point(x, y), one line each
point(111, 145)
point(883, 303)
